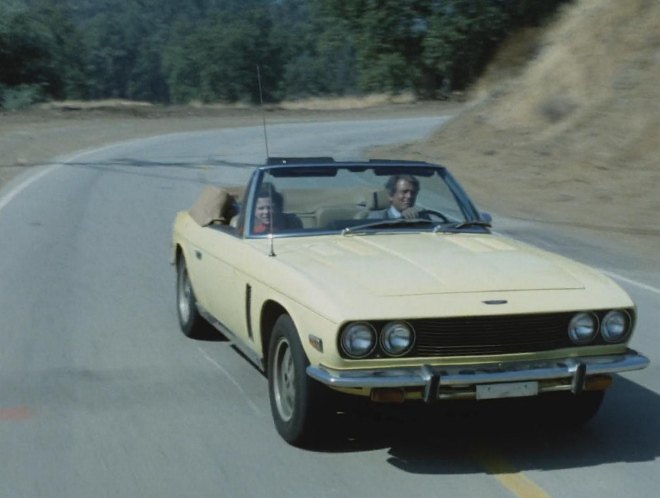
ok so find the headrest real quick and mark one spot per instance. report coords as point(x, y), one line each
point(215, 204)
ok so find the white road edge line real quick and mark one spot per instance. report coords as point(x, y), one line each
point(22, 186)
point(631, 282)
point(254, 407)
point(56, 164)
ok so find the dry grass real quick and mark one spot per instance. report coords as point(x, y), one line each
point(85, 105)
point(311, 104)
point(343, 103)
point(575, 135)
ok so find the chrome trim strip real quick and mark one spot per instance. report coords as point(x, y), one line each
point(466, 375)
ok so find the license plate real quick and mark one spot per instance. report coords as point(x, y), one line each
point(507, 390)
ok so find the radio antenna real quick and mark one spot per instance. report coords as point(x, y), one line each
point(263, 112)
point(271, 194)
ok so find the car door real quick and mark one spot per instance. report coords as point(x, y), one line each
point(217, 288)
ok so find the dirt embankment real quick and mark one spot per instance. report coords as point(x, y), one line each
point(573, 135)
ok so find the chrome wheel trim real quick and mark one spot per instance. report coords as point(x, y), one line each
point(185, 296)
point(284, 380)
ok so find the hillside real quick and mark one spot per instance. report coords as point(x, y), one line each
point(574, 135)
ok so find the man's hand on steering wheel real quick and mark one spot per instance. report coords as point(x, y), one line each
point(410, 213)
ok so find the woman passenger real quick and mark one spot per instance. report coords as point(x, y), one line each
point(268, 210)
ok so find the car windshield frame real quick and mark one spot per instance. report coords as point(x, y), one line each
point(286, 181)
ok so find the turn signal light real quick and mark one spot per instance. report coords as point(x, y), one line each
point(388, 395)
point(598, 382)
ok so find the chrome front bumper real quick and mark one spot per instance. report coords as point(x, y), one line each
point(574, 370)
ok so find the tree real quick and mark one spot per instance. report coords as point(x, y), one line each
point(217, 60)
point(40, 52)
point(461, 38)
point(317, 51)
point(208, 50)
point(430, 46)
point(388, 36)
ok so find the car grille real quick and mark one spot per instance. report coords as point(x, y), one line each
point(489, 335)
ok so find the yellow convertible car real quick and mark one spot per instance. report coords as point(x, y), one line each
point(381, 279)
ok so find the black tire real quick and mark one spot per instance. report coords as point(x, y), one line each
point(295, 398)
point(191, 322)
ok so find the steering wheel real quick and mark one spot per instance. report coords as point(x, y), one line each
point(440, 215)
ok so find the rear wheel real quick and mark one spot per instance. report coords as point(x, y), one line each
point(295, 398)
point(190, 321)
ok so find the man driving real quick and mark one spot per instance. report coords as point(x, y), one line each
point(402, 191)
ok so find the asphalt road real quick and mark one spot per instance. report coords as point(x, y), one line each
point(101, 395)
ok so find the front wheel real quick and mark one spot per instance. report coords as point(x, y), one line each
point(294, 397)
point(190, 321)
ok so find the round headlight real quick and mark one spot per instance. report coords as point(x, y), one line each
point(615, 326)
point(358, 340)
point(397, 338)
point(583, 328)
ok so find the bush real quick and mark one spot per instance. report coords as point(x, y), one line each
point(20, 97)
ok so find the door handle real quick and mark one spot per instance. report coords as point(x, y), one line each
point(198, 254)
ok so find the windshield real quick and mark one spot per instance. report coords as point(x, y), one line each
point(352, 199)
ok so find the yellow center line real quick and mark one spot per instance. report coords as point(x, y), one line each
point(511, 478)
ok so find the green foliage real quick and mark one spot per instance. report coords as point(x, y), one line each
point(388, 36)
point(318, 51)
point(40, 53)
point(208, 50)
point(431, 47)
point(25, 50)
point(20, 97)
point(461, 37)
point(217, 60)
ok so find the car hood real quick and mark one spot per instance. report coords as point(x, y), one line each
point(426, 263)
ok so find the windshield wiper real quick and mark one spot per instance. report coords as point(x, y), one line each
point(472, 223)
point(386, 223)
point(463, 224)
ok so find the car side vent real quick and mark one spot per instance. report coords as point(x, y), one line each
point(248, 307)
